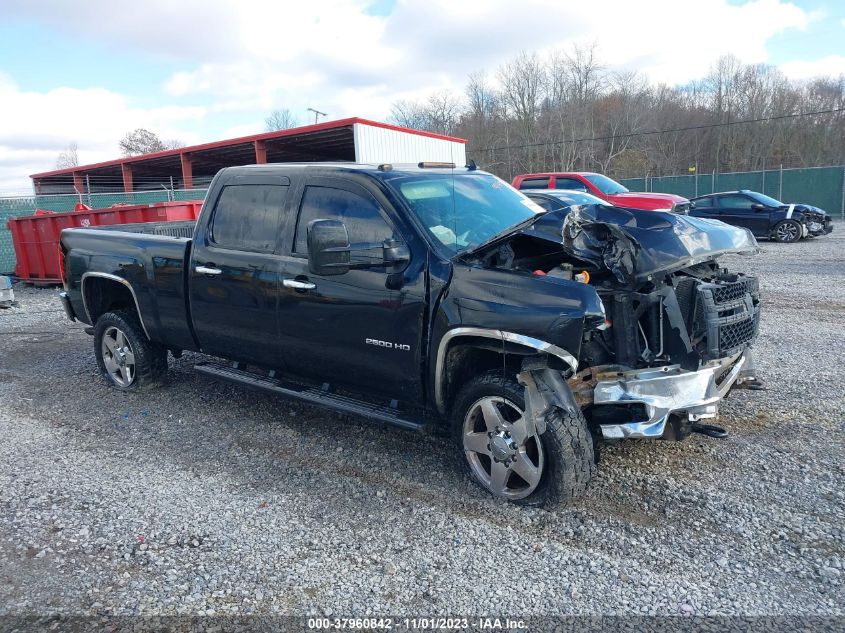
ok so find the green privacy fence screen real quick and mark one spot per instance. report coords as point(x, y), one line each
point(22, 206)
point(823, 187)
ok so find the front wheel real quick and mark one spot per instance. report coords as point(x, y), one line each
point(128, 360)
point(787, 231)
point(508, 457)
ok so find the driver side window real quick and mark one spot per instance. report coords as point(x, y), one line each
point(360, 214)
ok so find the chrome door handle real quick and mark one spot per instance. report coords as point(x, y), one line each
point(205, 270)
point(299, 285)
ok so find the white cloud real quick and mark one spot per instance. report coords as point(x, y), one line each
point(241, 59)
point(328, 48)
point(808, 69)
point(36, 126)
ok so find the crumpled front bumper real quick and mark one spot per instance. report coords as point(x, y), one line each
point(819, 227)
point(666, 391)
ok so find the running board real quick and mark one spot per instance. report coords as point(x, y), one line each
point(314, 395)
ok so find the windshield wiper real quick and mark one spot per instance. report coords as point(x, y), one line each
point(504, 233)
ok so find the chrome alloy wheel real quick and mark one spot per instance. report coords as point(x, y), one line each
point(118, 356)
point(504, 455)
point(788, 232)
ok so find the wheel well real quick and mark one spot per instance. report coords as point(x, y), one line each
point(465, 360)
point(103, 295)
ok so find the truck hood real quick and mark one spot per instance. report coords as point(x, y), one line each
point(635, 245)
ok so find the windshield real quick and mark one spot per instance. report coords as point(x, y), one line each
point(606, 185)
point(464, 210)
point(764, 199)
point(577, 197)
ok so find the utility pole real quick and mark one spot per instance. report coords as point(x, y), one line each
point(317, 114)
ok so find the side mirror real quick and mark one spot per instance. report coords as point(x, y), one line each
point(758, 207)
point(395, 252)
point(328, 247)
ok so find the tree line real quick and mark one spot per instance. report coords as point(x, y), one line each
point(568, 111)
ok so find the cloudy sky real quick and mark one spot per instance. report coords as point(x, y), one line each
point(201, 70)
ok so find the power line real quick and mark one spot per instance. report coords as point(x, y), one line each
point(666, 131)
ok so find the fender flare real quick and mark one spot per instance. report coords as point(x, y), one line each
point(119, 280)
point(501, 335)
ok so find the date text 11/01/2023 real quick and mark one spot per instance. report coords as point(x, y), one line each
point(421, 623)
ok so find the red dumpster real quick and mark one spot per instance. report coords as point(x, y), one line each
point(36, 237)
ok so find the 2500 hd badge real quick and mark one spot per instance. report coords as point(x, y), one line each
point(387, 344)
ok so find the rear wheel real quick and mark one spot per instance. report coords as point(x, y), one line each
point(787, 231)
point(507, 456)
point(128, 360)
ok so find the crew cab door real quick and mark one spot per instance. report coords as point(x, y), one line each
point(235, 274)
point(736, 209)
point(361, 329)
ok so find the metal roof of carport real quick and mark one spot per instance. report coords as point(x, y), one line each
point(329, 141)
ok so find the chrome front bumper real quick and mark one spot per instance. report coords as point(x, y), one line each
point(665, 391)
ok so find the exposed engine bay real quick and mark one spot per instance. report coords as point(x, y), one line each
point(670, 308)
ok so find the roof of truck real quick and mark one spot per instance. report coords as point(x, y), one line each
point(385, 168)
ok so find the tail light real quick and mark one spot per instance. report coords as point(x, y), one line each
point(62, 264)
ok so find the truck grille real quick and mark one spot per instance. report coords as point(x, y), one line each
point(725, 293)
point(734, 335)
point(727, 315)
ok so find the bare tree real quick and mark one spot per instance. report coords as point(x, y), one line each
point(141, 141)
point(523, 82)
point(567, 111)
point(173, 143)
point(68, 157)
point(409, 114)
point(282, 119)
point(442, 112)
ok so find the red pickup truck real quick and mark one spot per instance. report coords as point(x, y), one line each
point(605, 188)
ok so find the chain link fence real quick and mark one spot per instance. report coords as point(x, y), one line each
point(823, 187)
point(27, 205)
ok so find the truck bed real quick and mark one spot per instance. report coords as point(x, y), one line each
point(151, 258)
point(182, 228)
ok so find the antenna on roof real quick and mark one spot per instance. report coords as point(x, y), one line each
point(471, 165)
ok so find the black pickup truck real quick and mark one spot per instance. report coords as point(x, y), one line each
point(431, 296)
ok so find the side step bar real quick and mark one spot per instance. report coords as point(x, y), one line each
point(314, 395)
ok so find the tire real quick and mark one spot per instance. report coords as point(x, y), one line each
point(787, 231)
point(127, 359)
point(557, 465)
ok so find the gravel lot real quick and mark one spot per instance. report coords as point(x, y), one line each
point(207, 499)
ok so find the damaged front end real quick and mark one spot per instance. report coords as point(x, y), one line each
point(679, 328)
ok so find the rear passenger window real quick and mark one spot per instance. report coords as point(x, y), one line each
point(534, 183)
point(703, 203)
point(247, 217)
point(360, 214)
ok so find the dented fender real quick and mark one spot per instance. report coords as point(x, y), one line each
point(545, 388)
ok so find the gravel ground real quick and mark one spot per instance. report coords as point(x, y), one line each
point(207, 499)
